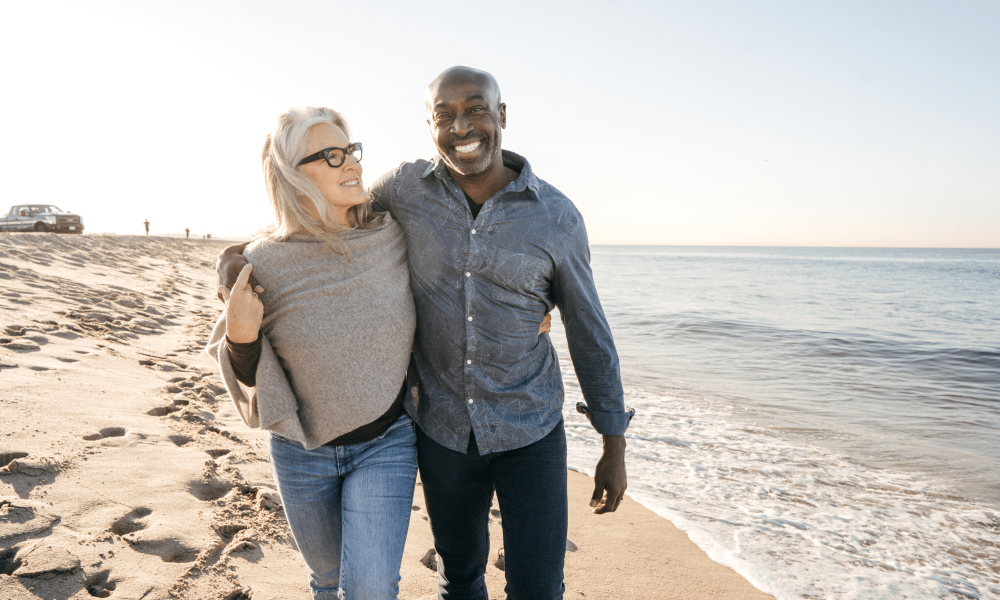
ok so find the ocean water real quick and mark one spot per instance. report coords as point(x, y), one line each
point(824, 421)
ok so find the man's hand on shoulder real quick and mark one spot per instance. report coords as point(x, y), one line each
point(228, 266)
point(610, 479)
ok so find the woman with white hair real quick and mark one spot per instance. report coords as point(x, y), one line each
point(320, 357)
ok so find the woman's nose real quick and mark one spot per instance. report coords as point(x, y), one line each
point(352, 164)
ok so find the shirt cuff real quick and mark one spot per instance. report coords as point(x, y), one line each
point(607, 423)
point(244, 357)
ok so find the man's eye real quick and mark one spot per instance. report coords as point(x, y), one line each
point(440, 118)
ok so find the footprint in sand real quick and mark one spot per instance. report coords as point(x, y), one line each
point(227, 531)
point(32, 466)
point(209, 490)
point(430, 560)
point(131, 522)
point(15, 330)
point(8, 561)
point(107, 432)
point(19, 345)
point(7, 457)
point(169, 549)
point(162, 411)
point(20, 518)
point(98, 584)
point(46, 562)
point(180, 440)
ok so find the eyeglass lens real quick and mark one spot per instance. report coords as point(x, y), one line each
point(336, 155)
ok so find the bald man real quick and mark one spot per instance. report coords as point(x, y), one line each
point(492, 249)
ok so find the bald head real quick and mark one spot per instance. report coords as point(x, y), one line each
point(466, 117)
point(462, 77)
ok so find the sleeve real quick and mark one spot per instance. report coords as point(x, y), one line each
point(591, 346)
point(383, 192)
point(271, 404)
point(244, 359)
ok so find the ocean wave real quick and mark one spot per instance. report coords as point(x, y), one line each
point(794, 519)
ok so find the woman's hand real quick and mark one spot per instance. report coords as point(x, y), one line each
point(546, 324)
point(244, 310)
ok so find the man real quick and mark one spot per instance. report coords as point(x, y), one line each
point(492, 248)
point(146, 225)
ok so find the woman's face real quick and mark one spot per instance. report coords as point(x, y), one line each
point(341, 185)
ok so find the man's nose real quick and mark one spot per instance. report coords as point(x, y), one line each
point(462, 125)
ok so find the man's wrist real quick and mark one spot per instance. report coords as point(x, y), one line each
point(614, 443)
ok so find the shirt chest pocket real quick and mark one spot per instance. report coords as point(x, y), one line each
point(519, 274)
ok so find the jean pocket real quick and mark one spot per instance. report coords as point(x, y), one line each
point(402, 422)
point(279, 438)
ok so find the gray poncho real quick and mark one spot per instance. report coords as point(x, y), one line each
point(336, 334)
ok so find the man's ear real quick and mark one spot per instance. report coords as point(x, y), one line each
point(502, 109)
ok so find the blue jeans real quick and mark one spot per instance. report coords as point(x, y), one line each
point(530, 484)
point(349, 509)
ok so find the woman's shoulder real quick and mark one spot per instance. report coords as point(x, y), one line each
point(303, 246)
point(381, 226)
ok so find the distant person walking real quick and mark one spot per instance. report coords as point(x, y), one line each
point(146, 225)
point(187, 233)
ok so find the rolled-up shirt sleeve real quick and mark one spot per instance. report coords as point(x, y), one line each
point(591, 346)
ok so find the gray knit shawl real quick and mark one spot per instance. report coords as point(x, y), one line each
point(336, 334)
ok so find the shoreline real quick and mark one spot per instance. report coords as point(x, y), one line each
point(125, 471)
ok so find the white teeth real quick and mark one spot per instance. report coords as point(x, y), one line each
point(466, 149)
point(354, 182)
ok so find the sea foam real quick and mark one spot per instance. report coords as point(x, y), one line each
point(797, 521)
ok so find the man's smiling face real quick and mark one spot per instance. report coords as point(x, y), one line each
point(466, 117)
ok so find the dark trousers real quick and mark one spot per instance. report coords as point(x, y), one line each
point(530, 484)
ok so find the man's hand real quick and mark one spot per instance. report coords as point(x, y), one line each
point(610, 480)
point(546, 324)
point(244, 310)
point(228, 266)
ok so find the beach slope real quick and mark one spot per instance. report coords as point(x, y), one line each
point(126, 473)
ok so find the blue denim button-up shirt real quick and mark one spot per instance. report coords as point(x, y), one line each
point(481, 288)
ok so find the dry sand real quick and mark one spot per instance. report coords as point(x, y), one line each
point(125, 472)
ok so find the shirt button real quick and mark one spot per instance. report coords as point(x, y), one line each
point(468, 274)
point(470, 318)
point(470, 400)
point(473, 232)
point(468, 362)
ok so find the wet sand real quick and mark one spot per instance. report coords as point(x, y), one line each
point(126, 473)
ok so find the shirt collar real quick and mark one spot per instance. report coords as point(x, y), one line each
point(525, 181)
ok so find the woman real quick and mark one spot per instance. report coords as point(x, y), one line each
point(320, 358)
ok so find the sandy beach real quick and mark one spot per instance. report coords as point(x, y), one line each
point(126, 473)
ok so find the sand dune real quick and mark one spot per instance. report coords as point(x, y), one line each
point(126, 473)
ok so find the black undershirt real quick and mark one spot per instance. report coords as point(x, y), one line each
point(473, 205)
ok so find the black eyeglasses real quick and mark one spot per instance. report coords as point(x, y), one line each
point(334, 156)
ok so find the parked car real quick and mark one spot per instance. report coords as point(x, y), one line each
point(40, 217)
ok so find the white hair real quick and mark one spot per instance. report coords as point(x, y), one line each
point(289, 188)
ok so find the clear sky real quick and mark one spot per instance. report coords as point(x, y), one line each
point(839, 123)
